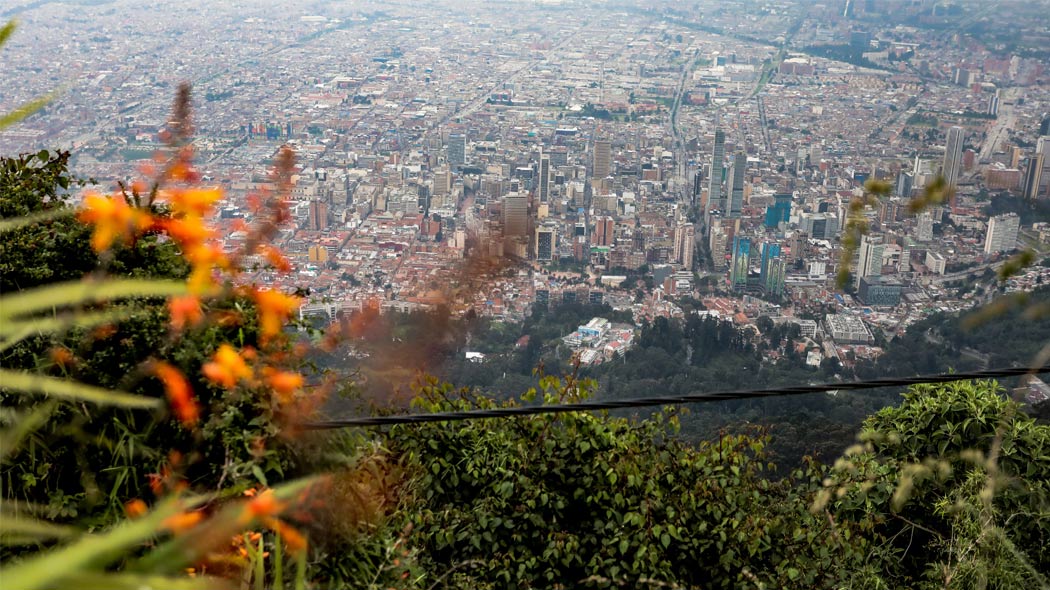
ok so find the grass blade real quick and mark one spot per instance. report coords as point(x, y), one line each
point(19, 222)
point(83, 292)
point(71, 390)
point(25, 110)
point(51, 569)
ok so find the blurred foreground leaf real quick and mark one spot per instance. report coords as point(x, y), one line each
point(83, 292)
point(71, 390)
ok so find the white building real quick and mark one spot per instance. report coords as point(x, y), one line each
point(1002, 233)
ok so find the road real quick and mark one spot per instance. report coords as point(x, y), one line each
point(1006, 121)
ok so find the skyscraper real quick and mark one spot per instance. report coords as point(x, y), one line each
point(684, 244)
point(457, 150)
point(515, 215)
point(602, 164)
point(735, 185)
point(741, 263)
point(953, 156)
point(714, 190)
point(870, 262)
point(780, 211)
point(1033, 177)
point(543, 190)
point(318, 215)
point(773, 269)
point(1002, 233)
point(546, 242)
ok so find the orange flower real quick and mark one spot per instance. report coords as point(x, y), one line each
point(227, 367)
point(182, 521)
point(195, 202)
point(114, 220)
point(190, 231)
point(135, 508)
point(294, 541)
point(275, 258)
point(185, 310)
point(61, 356)
point(263, 505)
point(274, 309)
point(180, 396)
point(283, 383)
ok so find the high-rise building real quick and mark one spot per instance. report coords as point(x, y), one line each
point(1044, 125)
point(714, 190)
point(515, 215)
point(717, 241)
point(953, 156)
point(735, 185)
point(773, 269)
point(684, 244)
point(1042, 148)
point(698, 186)
point(738, 269)
point(546, 242)
point(993, 104)
point(1033, 177)
point(780, 211)
point(604, 231)
point(318, 215)
point(544, 181)
point(602, 162)
point(1002, 233)
point(442, 181)
point(799, 244)
point(457, 150)
point(870, 262)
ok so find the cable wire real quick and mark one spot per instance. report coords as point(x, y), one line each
point(590, 406)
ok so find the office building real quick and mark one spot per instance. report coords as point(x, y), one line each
point(819, 226)
point(604, 231)
point(953, 156)
point(780, 211)
point(317, 215)
point(735, 185)
point(602, 163)
point(544, 180)
point(684, 244)
point(905, 183)
point(457, 150)
point(869, 263)
point(714, 190)
point(546, 242)
point(773, 270)
point(1002, 233)
point(1033, 177)
point(993, 104)
point(515, 215)
point(880, 292)
point(741, 263)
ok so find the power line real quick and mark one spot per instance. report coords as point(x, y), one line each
point(714, 396)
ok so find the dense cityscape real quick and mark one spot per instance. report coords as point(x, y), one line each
point(623, 154)
point(525, 294)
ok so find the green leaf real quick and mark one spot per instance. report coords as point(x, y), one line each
point(83, 292)
point(6, 31)
point(259, 475)
point(792, 573)
point(71, 390)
